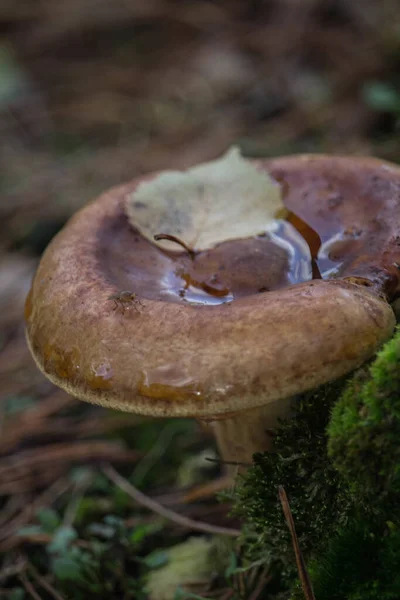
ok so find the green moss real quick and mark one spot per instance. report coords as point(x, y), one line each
point(357, 564)
point(319, 500)
point(339, 460)
point(364, 432)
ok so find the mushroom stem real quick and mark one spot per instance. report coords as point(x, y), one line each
point(243, 434)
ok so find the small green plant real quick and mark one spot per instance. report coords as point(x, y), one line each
point(108, 565)
point(382, 97)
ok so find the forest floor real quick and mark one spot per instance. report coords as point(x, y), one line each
point(93, 94)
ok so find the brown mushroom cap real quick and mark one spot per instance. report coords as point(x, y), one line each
point(177, 358)
point(354, 205)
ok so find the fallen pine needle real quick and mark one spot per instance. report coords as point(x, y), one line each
point(12, 569)
point(58, 488)
point(40, 539)
point(161, 510)
point(23, 463)
point(301, 567)
point(44, 583)
point(264, 578)
point(206, 490)
point(29, 587)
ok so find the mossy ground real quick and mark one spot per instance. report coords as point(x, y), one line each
point(340, 469)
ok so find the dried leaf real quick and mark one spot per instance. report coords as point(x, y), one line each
point(222, 200)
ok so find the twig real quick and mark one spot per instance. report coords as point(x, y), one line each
point(29, 587)
point(301, 567)
point(176, 240)
point(33, 419)
point(13, 505)
point(161, 510)
point(262, 582)
point(40, 539)
point(234, 463)
point(32, 482)
point(58, 428)
point(45, 499)
point(19, 540)
point(228, 595)
point(252, 575)
point(12, 569)
point(48, 406)
point(44, 584)
point(205, 490)
point(24, 463)
point(77, 495)
point(240, 583)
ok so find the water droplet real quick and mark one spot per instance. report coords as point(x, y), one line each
point(168, 382)
point(182, 284)
point(102, 376)
point(287, 237)
point(64, 363)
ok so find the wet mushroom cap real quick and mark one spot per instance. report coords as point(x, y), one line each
point(178, 358)
point(354, 205)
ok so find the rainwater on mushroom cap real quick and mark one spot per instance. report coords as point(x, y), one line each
point(232, 216)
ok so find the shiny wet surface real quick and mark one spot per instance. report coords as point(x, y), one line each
point(341, 222)
point(231, 270)
point(354, 207)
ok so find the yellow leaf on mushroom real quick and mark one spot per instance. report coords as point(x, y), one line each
point(226, 199)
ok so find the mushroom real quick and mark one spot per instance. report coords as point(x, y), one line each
point(232, 335)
